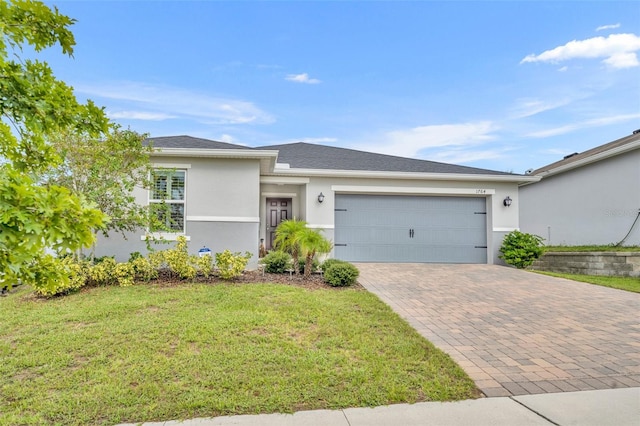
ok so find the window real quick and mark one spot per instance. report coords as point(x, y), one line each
point(167, 200)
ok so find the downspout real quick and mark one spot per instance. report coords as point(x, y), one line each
point(630, 229)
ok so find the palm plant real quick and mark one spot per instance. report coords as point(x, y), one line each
point(311, 242)
point(287, 238)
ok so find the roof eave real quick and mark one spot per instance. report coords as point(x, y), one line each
point(404, 175)
point(267, 158)
point(590, 159)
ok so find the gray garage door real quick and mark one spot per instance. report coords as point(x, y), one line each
point(384, 228)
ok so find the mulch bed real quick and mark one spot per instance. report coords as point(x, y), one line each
point(313, 282)
point(167, 279)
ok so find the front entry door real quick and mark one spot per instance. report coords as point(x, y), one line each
point(278, 209)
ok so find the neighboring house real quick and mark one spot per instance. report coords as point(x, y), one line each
point(587, 198)
point(373, 207)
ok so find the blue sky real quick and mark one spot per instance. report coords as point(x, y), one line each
point(503, 85)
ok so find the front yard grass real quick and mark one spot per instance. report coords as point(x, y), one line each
point(621, 283)
point(150, 353)
point(590, 248)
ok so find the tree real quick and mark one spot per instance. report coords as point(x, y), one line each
point(312, 242)
point(287, 239)
point(35, 105)
point(105, 171)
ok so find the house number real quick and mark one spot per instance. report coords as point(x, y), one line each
point(481, 191)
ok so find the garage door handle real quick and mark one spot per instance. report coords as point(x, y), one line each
point(411, 233)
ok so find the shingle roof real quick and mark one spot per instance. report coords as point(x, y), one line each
point(191, 142)
point(311, 156)
point(634, 137)
point(303, 155)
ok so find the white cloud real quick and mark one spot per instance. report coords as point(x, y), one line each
point(563, 69)
point(320, 140)
point(608, 27)
point(140, 115)
point(622, 60)
point(528, 107)
point(617, 49)
point(302, 78)
point(226, 138)
point(465, 156)
point(409, 142)
point(172, 102)
point(595, 122)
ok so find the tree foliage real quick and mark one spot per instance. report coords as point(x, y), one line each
point(288, 238)
point(105, 171)
point(35, 105)
point(293, 237)
point(312, 242)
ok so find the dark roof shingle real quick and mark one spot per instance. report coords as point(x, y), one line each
point(303, 155)
point(191, 142)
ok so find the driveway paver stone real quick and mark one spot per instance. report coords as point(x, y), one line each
point(516, 332)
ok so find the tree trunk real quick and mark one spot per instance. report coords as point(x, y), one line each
point(296, 261)
point(309, 264)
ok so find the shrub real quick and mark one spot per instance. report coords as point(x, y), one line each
point(329, 262)
point(144, 269)
point(520, 249)
point(70, 275)
point(231, 265)
point(205, 265)
point(341, 274)
point(179, 261)
point(124, 274)
point(303, 262)
point(156, 259)
point(103, 272)
point(276, 262)
point(134, 255)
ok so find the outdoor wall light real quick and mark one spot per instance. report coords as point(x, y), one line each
point(321, 197)
point(507, 201)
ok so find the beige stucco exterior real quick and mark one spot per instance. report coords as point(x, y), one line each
point(593, 204)
point(500, 219)
point(226, 195)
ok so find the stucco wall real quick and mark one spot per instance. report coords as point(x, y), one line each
point(221, 207)
point(225, 188)
point(593, 204)
point(500, 219)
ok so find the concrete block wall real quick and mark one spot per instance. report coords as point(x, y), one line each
point(624, 264)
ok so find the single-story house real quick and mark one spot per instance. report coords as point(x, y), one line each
point(586, 198)
point(373, 207)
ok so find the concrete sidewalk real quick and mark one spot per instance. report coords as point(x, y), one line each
point(618, 407)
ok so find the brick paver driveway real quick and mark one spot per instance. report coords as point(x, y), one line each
point(517, 332)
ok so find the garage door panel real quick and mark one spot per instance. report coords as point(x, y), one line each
point(376, 228)
point(370, 234)
point(443, 237)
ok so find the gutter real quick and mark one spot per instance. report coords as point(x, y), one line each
point(403, 175)
point(268, 156)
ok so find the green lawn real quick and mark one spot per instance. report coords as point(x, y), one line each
point(150, 353)
point(621, 283)
point(590, 248)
